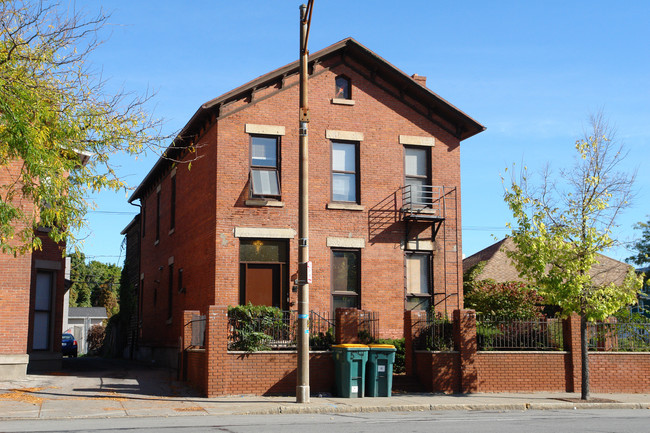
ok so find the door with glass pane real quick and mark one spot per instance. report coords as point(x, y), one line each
point(262, 272)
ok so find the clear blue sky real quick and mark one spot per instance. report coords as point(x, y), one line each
point(532, 72)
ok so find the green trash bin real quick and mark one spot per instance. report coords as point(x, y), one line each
point(379, 370)
point(349, 369)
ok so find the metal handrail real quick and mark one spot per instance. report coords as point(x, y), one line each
point(428, 197)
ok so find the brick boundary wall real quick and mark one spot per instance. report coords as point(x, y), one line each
point(217, 372)
point(620, 372)
point(469, 370)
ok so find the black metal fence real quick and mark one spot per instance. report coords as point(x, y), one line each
point(619, 337)
point(493, 333)
point(433, 333)
point(278, 333)
point(368, 326)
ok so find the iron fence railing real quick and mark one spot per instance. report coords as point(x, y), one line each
point(321, 331)
point(433, 333)
point(416, 198)
point(279, 333)
point(493, 333)
point(619, 337)
point(368, 326)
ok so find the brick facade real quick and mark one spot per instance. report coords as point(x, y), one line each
point(212, 199)
point(17, 291)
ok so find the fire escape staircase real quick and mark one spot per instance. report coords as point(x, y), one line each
point(423, 204)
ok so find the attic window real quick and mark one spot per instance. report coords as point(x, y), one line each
point(343, 88)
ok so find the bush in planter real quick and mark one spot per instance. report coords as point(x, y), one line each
point(400, 364)
point(253, 327)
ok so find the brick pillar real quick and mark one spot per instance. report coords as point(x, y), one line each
point(573, 365)
point(216, 350)
point(347, 325)
point(465, 341)
point(411, 317)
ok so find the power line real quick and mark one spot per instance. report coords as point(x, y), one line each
point(113, 212)
point(485, 228)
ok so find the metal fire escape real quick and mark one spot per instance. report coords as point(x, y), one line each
point(425, 206)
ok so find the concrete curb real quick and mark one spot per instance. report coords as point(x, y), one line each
point(334, 409)
point(304, 409)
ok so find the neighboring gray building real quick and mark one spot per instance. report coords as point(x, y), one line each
point(79, 322)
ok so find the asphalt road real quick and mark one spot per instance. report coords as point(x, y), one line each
point(608, 420)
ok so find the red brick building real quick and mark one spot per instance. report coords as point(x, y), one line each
point(32, 289)
point(384, 173)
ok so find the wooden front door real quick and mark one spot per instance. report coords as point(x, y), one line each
point(262, 284)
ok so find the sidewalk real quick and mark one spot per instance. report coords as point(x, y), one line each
point(119, 389)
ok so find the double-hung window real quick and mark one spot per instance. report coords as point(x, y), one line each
point(158, 214)
point(265, 166)
point(346, 278)
point(418, 281)
point(345, 171)
point(42, 327)
point(172, 204)
point(417, 175)
point(170, 292)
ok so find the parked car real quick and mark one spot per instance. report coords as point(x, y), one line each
point(68, 345)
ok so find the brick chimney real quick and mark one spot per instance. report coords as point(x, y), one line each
point(420, 79)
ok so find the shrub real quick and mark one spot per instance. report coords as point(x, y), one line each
point(96, 336)
point(252, 327)
point(322, 340)
point(400, 365)
point(509, 300)
point(438, 334)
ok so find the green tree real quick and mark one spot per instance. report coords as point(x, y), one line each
point(641, 246)
point(54, 114)
point(561, 226)
point(94, 284)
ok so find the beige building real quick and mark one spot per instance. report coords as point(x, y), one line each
point(500, 268)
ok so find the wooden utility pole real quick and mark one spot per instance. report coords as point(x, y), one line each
point(304, 265)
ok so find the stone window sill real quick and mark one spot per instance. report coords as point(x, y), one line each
point(346, 206)
point(260, 202)
point(341, 101)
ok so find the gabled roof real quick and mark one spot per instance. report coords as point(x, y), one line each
point(463, 125)
point(499, 267)
point(134, 221)
point(95, 312)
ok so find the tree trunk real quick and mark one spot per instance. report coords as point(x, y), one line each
point(585, 358)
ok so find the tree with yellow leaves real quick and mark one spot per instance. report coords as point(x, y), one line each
point(58, 125)
point(562, 225)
